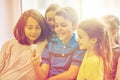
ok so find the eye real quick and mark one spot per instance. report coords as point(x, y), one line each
point(56, 25)
point(80, 37)
point(37, 27)
point(30, 27)
point(63, 25)
point(49, 19)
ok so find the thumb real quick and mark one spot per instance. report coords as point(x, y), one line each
point(34, 53)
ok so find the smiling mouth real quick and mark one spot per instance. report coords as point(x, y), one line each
point(61, 34)
point(33, 36)
point(79, 44)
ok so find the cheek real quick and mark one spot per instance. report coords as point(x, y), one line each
point(83, 46)
point(26, 31)
point(68, 31)
point(83, 43)
point(49, 22)
point(55, 29)
point(39, 32)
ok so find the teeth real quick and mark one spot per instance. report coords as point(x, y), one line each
point(60, 33)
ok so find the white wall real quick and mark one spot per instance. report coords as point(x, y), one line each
point(10, 11)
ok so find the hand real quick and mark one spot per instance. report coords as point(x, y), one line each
point(35, 59)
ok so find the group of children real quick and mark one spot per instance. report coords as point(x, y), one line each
point(46, 48)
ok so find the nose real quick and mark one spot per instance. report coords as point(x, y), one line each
point(33, 30)
point(58, 28)
point(52, 22)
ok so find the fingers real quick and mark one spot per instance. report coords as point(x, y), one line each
point(34, 53)
point(34, 58)
point(35, 61)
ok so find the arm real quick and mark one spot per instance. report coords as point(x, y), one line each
point(70, 74)
point(91, 69)
point(41, 69)
point(117, 77)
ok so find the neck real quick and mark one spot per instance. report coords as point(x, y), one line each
point(91, 51)
point(67, 40)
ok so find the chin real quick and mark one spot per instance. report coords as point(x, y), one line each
point(61, 39)
point(82, 48)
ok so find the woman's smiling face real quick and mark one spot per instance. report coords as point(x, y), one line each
point(32, 29)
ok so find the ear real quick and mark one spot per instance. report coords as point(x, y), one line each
point(94, 40)
point(75, 26)
point(114, 32)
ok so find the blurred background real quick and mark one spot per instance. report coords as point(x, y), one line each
point(11, 10)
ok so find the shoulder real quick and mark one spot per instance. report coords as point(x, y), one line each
point(10, 43)
point(95, 59)
point(53, 41)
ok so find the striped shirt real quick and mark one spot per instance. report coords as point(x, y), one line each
point(61, 57)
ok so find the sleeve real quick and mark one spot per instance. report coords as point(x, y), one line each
point(78, 57)
point(46, 56)
point(118, 70)
point(3, 55)
point(94, 69)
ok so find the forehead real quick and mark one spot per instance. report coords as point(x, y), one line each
point(59, 19)
point(50, 14)
point(81, 32)
point(31, 20)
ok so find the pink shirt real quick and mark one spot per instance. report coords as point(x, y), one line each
point(118, 70)
point(15, 61)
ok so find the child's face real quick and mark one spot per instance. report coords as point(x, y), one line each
point(32, 29)
point(63, 28)
point(83, 39)
point(112, 31)
point(50, 19)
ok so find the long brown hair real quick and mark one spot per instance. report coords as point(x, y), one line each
point(96, 29)
point(113, 22)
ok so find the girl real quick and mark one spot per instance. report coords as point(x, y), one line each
point(50, 19)
point(97, 61)
point(15, 55)
point(113, 28)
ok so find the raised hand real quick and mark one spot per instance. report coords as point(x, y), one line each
point(36, 60)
